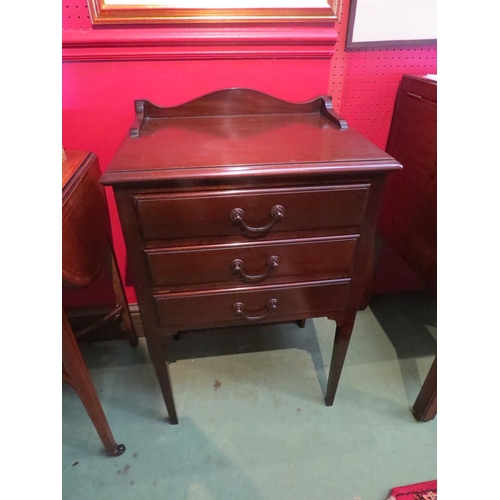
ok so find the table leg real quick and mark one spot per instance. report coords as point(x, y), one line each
point(425, 406)
point(341, 343)
point(79, 378)
point(158, 355)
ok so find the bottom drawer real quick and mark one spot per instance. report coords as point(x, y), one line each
point(249, 305)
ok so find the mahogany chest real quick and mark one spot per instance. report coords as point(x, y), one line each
point(240, 208)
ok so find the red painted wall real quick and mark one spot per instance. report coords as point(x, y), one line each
point(105, 70)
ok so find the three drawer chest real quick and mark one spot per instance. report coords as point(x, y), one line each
point(240, 208)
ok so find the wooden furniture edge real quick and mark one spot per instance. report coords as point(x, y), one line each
point(264, 104)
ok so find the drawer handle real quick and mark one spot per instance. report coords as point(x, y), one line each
point(237, 214)
point(237, 267)
point(239, 310)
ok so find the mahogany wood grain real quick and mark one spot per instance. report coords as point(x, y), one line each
point(71, 162)
point(242, 102)
point(157, 349)
point(359, 283)
point(409, 213)
point(77, 375)
point(199, 309)
point(87, 248)
point(425, 406)
point(155, 338)
point(343, 332)
point(212, 147)
point(84, 221)
point(327, 257)
point(86, 233)
point(209, 213)
point(408, 220)
point(239, 102)
point(240, 176)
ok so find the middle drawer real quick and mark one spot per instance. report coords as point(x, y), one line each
point(323, 257)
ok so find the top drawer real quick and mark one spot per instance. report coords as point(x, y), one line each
point(249, 212)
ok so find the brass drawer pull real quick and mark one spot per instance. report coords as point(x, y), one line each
point(237, 214)
point(239, 310)
point(237, 267)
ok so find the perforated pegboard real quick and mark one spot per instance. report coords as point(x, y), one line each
point(75, 15)
point(363, 84)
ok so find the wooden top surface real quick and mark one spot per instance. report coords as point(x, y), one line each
point(241, 144)
point(419, 85)
point(71, 164)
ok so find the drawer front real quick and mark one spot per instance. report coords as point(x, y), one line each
point(250, 263)
point(256, 304)
point(249, 212)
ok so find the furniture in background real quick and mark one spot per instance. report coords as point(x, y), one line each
point(408, 220)
point(425, 406)
point(86, 249)
point(240, 208)
point(408, 214)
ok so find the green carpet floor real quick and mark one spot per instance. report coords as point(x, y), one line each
point(252, 421)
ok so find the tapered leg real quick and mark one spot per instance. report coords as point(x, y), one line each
point(158, 355)
point(341, 343)
point(79, 378)
point(425, 406)
point(121, 298)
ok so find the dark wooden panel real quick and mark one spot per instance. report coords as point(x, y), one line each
point(251, 183)
point(408, 219)
point(223, 141)
point(199, 308)
point(72, 161)
point(420, 87)
point(275, 261)
point(84, 222)
point(236, 102)
point(425, 406)
point(166, 216)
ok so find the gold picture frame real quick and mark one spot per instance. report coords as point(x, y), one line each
point(119, 12)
